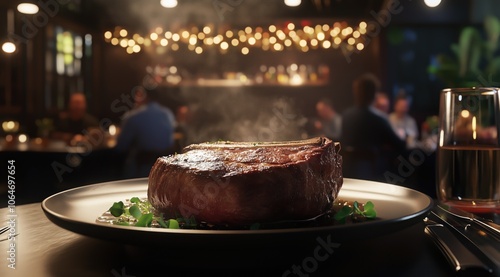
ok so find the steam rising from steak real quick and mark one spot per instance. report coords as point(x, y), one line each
point(244, 183)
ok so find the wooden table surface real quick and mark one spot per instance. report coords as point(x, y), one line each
point(44, 249)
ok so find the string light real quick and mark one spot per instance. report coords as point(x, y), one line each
point(272, 37)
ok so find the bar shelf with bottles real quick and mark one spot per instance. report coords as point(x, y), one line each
point(266, 75)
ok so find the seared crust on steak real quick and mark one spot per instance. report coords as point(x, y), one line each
point(238, 183)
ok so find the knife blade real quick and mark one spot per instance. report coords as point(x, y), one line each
point(461, 258)
point(489, 225)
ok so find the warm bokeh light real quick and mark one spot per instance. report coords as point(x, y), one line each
point(27, 8)
point(217, 39)
point(124, 43)
point(112, 130)
point(245, 50)
point(193, 40)
point(293, 3)
point(8, 47)
point(276, 37)
point(208, 41)
point(296, 80)
point(432, 3)
point(22, 138)
point(474, 127)
point(168, 3)
point(10, 126)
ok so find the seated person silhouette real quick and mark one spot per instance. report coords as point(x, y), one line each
point(147, 132)
point(368, 140)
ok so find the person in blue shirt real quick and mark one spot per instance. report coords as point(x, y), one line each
point(147, 132)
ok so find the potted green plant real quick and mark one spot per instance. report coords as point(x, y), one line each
point(476, 61)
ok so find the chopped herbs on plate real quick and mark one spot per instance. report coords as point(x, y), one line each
point(140, 213)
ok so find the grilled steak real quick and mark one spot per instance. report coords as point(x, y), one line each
point(243, 183)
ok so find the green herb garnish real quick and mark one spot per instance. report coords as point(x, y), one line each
point(139, 213)
point(347, 212)
point(117, 209)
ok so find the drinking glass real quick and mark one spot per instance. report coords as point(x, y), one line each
point(468, 158)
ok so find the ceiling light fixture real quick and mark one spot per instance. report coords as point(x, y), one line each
point(27, 8)
point(293, 3)
point(168, 3)
point(432, 3)
point(8, 47)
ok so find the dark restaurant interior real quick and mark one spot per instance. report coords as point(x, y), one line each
point(229, 70)
point(236, 93)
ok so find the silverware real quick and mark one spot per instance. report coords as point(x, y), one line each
point(483, 241)
point(460, 257)
point(4, 229)
point(489, 225)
